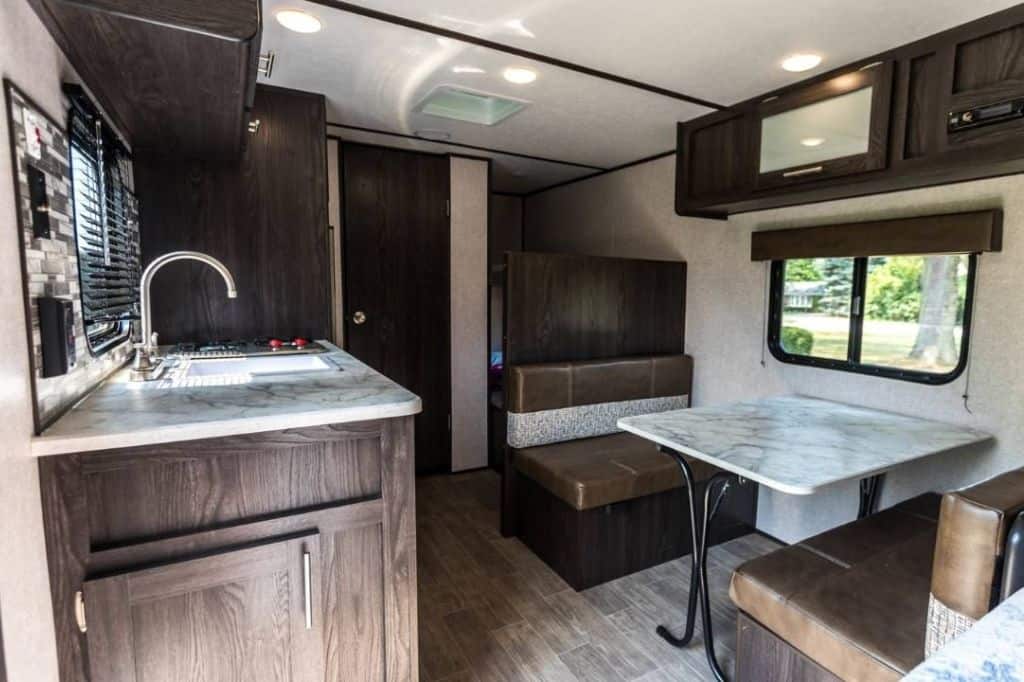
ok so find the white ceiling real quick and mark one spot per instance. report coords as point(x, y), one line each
point(374, 73)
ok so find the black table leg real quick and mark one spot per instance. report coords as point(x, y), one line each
point(714, 493)
point(870, 491)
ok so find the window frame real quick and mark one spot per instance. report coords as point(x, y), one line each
point(858, 291)
point(103, 335)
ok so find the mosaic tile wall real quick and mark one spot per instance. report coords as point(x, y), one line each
point(51, 265)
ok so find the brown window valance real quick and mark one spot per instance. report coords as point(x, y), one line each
point(972, 232)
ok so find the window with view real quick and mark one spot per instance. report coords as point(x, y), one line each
point(904, 316)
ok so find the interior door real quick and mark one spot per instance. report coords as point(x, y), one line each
point(397, 283)
point(252, 614)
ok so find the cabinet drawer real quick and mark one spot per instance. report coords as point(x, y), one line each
point(190, 487)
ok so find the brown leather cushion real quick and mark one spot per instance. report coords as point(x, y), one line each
point(972, 532)
point(552, 385)
point(592, 472)
point(854, 599)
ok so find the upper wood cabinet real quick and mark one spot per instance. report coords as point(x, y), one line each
point(176, 77)
point(830, 129)
point(944, 109)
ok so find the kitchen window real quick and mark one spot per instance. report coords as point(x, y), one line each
point(106, 225)
point(899, 316)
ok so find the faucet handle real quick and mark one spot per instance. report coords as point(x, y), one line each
point(153, 340)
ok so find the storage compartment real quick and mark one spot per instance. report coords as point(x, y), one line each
point(947, 108)
point(830, 129)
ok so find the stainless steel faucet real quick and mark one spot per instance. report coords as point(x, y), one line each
point(144, 368)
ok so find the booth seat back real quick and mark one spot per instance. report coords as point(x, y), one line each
point(973, 527)
point(561, 401)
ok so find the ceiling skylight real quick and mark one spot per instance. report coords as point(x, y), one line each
point(459, 104)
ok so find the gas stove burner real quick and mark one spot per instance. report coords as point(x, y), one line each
point(227, 346)
point(263, 345)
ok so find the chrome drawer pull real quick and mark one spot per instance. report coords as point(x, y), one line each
point(307, 590)
point(803, 171)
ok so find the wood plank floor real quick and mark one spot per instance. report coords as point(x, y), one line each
point(491, 610)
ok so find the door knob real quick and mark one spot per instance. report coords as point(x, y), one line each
point(358, 317)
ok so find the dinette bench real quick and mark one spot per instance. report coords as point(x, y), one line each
point(594, 503)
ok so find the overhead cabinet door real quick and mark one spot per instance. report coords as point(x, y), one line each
point(250, 615)
point(829, 129)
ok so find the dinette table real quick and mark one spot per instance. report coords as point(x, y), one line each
point(793, 444)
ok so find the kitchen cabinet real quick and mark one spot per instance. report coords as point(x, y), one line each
point(882, 124)
point(250, 613)
point(194, 554)
point(833, 128)
point(176, 77)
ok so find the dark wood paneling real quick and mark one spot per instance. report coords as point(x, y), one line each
point(176, 76)
point(264, 216)
point(974, 232)
point(764, 657)
point(594, 546)
point(922, 107)
point(723, 151)
point(990, 60)
point(368, 544)
point(396, 251)
point(562, 307)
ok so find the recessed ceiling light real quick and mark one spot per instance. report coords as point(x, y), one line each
point(467, 69)
point(519, 75)
point(801, 62)
point(298, 21)
point(812, 141)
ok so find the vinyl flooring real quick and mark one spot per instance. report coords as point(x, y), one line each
point(489, 609)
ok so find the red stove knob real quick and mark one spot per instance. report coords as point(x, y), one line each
point(300, 343)
point(275, 343)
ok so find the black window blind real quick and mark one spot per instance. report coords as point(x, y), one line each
point(106, 221)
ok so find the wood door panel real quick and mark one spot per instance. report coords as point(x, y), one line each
point(397, 262)
point(240, 615)
point(354, 604)
point(264, 216)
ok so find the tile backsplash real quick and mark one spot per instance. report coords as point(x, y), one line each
point(50, 265)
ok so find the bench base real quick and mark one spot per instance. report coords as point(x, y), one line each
point(763, 656)
point(593, 546)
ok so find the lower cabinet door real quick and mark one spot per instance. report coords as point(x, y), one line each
point(252, 615)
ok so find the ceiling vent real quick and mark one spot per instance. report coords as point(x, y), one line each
point(460, 104)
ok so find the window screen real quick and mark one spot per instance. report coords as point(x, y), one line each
point(106, 225)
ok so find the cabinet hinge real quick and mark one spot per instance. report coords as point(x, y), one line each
point(80, 611)
point(448, 207)
point(449, 422)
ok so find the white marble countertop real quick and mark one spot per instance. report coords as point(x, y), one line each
point(991, 650)
point(120, 413)
point(799, 445)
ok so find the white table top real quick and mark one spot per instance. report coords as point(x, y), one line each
point(799, 445)
point(991, 650)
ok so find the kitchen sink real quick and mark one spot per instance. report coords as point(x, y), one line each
point(259, 365)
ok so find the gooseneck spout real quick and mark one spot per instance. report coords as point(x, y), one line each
point(147, 339)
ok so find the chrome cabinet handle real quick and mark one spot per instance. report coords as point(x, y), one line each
point(803, 171)
point(307, 590)
point(359, 317)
